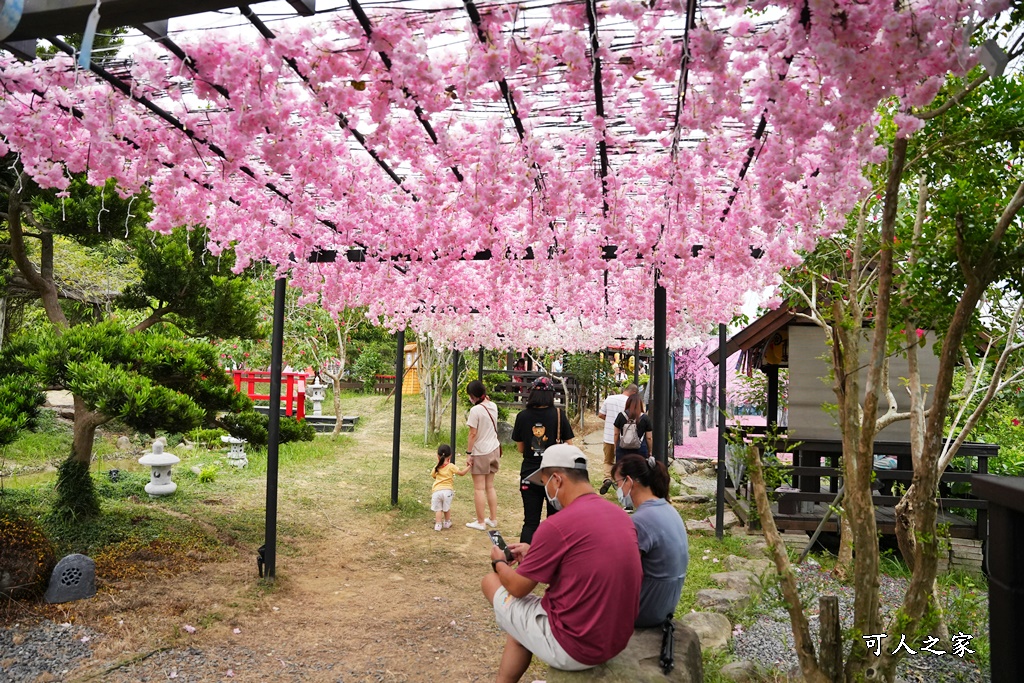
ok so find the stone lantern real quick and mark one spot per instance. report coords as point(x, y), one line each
point(317, 392)
point(236, 456)
point(160, 483)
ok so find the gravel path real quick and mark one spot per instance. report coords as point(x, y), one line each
point(769, 640)
point(43, 652)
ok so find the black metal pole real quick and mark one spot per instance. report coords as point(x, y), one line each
point(397, 431)
point(636, 362)
point(667, 369)
point(720, 496)
point(659, 375)
point(455, 398)
point(274, 430)
point(480, 365)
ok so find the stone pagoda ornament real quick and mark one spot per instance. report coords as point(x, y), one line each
point(160, 483)
point(317, 392)
point(236, 456)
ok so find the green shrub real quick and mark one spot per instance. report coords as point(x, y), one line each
point(76, 496)
point(210, 438)
point(371, 362)
point(126, 485)
point(491, 382)
point(294, 430)
point(208, 474)
point(254, 428)
point(249, 425)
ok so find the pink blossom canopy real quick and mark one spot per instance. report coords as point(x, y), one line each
point(317, 138)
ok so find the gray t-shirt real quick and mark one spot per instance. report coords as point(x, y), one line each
point(664, 554)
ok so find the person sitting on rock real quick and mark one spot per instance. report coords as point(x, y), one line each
point(588, 556)
point(642, 483)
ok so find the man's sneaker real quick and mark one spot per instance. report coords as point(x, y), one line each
point(479, 526)
point(607, 484)
point(490, 522)
point(437, 527)
point(447, 524)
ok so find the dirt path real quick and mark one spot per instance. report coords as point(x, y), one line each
point(363, 596)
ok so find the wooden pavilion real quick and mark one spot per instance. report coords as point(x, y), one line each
point(779, 339)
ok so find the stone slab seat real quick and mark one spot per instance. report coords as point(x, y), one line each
point(638, 663)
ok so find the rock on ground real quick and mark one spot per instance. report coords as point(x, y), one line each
point(638, 663)
point(718, 600)
point(713, 629)
point(740, 672)
point(757, 566)
point(742, 581)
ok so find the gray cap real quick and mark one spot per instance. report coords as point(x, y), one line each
point(561, 455)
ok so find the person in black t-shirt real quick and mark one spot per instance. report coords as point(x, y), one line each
point(537, 426)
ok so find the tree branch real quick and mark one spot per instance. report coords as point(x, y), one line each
point(955, 99)
point(45, 289)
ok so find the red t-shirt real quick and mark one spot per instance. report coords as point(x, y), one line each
point(588, 556)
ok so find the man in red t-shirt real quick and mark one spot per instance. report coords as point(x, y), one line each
point(589, 559)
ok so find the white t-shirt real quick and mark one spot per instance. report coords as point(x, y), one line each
point(480, 419)
point(612, 406)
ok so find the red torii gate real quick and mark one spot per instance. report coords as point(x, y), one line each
point(293, 383)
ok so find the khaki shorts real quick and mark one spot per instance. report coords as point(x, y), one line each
point(526, 621)
point(486, 463)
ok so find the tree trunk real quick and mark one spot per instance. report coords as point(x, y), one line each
point(858, 422)
point(338, 417)
point(787, 579)
point(84, 431)
point(693, 408)
point(844, 560)
point(704, 407)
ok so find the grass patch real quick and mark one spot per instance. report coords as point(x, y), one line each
point(294, 454)
point(707, 556)
point(124, 522)
point(407, 508)
point(36, 450)
point(964, 598)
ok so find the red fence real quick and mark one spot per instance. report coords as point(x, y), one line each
point(293, 388)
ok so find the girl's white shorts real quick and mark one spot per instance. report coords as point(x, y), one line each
point(441, 501)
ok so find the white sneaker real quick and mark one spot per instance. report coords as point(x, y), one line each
point(479, 526)
point(447, 524)
point(490, 522)
point(437, 527)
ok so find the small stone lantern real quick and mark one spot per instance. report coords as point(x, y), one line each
point(317, 392)
point(160, 483)
point(236, 456)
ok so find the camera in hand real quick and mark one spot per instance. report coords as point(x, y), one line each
point(497, 540)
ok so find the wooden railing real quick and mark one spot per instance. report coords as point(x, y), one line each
point(815, 460)
point(520, 382)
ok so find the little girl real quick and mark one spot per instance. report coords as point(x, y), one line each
point(444, 487)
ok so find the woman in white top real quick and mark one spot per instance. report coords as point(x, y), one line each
point(484, 451)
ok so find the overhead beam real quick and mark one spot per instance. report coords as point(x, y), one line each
point(22, 49)
point(43, 18)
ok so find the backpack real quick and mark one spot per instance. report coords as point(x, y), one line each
point(629, 438)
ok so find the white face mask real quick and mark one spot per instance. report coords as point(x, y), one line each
point(552, 500)
point(625, 499)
